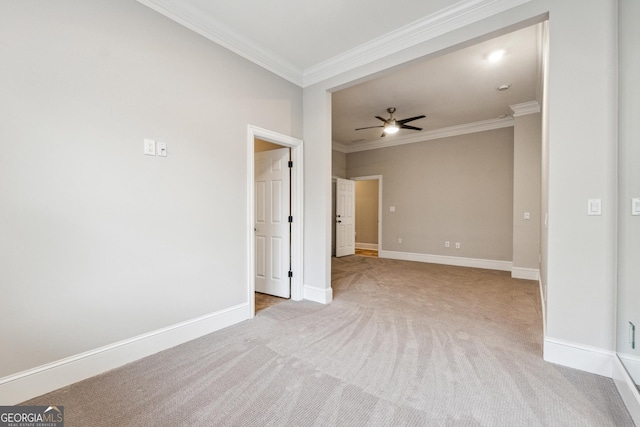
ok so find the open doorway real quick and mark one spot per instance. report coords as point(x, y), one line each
point(368, 224)
point(274, 217)
point(272, 174)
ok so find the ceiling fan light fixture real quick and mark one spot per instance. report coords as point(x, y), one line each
point(391, 128)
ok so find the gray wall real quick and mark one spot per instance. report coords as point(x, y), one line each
point(338, 164)
point(100, 243)
point(367, 212)
point(458, 189)
point(629, 186)
point(527, 157)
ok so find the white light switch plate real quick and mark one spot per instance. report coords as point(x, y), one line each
point(162, 149)
point(594, 207)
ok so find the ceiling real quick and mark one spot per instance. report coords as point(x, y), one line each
point(307, 41)
point(457, 91)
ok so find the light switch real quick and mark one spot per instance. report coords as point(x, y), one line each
point(392, 208)
point(162, 149)
point(594, 207)
point(149, 147)
point(527, 215)
point(635, 206)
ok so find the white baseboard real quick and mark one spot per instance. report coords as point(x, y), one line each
point(370, 246)
point(590, 359)
point(448, 260)
point(632, 365)
point(628, 390)
point(34, 382)
point(321, 295)
point(525, 273)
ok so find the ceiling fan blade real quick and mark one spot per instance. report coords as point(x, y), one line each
point(403, 121)
point(409, 127)
point(380, 118)
point(370, 127)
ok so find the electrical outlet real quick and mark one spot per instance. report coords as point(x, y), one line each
point(399, 240)
point(149, 147)
point(447, 244)
point(457, 245)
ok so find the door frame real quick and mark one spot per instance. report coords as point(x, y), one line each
point(297, 211)
point(379, 179)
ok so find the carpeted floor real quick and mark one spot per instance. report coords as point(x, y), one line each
point(403, 344)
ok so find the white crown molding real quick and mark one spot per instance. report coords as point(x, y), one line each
point(525, 108)
point(431, 134)
point(451, 18)
point(339, 147)
point(213, 30)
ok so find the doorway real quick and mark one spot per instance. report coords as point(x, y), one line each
point(368, 215)
point(295, 272)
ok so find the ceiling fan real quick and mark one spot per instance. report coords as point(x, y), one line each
point(392, 125)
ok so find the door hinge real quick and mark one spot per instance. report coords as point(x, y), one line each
point(290, 219)
point(290, 273)
point(290, 163)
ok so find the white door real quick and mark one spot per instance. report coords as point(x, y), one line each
point(272, 227)
point(345, 217)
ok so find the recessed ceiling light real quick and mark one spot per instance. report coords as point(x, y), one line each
point(496, 55)
point(503, 87)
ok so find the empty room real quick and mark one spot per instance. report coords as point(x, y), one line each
point(505, 286)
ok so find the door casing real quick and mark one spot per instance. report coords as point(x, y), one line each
point(297, 205)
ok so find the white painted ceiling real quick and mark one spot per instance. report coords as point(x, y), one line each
point(306, 41)
point(451, 90)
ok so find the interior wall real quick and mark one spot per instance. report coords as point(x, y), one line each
point(629, 187)
point(101, 243)
point(367, 212)
point(527, 159)
point(580, 127)
point(456, 189)
point(338, 164)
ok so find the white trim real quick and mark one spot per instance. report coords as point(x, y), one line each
point(525, 273)
point(341, 148)
point(458, 15)
point(487, 264)
point(297, 210)
point(52, 376)
point(219, 33)
point(627, 389)
point(369, 246)
point(462, 129)
point(632, 365)
point(445, 20)
point(321, 295)
point(543, 304)
point(525, 108)
point(578, 356)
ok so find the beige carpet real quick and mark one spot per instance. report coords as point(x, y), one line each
point(403, 344)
